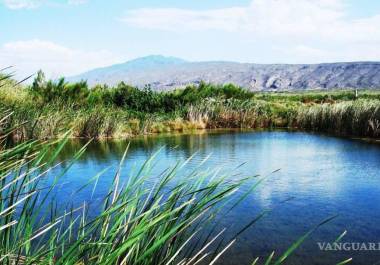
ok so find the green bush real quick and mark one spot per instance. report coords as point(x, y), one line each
point(49, 91)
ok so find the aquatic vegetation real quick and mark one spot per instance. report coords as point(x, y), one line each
point(355, 118)
point(132, 224)
point(47, 109)
point(142, 219)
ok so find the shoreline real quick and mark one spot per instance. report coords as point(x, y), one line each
point(220, 131)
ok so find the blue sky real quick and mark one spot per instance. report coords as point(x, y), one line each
point(67, 37)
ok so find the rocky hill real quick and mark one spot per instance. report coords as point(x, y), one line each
point(165, 73)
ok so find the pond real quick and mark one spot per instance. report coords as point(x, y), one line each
point(319, 177)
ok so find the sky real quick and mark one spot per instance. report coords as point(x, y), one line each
point(67, 37)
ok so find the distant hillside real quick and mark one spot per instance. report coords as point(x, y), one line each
point(164, 73)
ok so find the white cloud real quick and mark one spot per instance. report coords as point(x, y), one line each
point(29, 56)
point(282, 17)
point(77, 2)
point(268, 18)
point(19, 4)
point(30, 4)
point(173, 19)
point(311, 27)
point(313, 54)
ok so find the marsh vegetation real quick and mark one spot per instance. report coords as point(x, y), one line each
point(169, 222)
point(47, 109)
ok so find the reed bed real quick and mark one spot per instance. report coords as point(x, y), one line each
point(232, 113)
point(48, 109)
point(352, 118)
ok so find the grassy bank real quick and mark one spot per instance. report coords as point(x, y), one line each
point(47, 109)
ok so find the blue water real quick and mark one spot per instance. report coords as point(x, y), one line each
point(319, 177)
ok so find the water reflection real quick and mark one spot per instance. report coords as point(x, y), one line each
point(325, 175)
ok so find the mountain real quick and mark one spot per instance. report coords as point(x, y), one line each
point(164, 73)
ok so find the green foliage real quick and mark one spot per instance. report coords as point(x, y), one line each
point(142, 100)
point(49, 91)
point(48, 108)
point(195, 94)
point(317, 96)
point(100, 95)
point(129, 97)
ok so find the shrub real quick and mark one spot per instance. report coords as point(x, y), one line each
point(49, 91)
